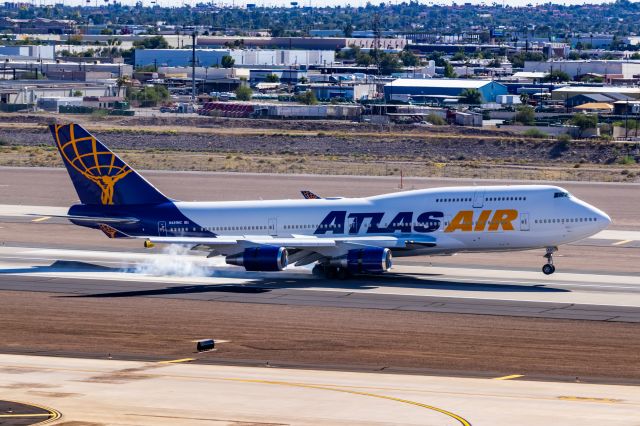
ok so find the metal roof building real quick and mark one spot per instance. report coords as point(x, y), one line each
point(442, 88)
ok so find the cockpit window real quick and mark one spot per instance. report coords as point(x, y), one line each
point(560, 195)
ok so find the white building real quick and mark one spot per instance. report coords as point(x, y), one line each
point(575, 68)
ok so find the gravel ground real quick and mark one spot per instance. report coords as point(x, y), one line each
point(317, 336)
point(375, 147)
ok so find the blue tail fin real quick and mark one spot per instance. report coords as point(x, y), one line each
point(100, 176)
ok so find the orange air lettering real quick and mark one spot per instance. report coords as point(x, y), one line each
point(503, 218)
point(482, 220)
point(463, 221)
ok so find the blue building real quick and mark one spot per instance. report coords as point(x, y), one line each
point(433, 89)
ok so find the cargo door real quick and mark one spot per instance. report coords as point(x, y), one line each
point(273, 226)
point(478, 199)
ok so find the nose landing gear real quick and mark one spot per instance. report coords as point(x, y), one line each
point(549, 268)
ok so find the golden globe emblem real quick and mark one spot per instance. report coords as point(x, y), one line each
point(92, 161)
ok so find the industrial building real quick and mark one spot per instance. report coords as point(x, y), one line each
point(626, 69)
point(213, 57)
point(309, 43)
point(567, 92)
point(353, 91)
point(426, 90)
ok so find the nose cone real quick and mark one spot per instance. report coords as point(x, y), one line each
point(603, 219)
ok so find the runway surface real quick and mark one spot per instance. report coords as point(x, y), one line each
point(176, 392)
point(416, 288)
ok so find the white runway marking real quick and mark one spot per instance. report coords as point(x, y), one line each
point(462, 283)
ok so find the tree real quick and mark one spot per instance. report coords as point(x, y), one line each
point(77, 93)
point(557, 75)
point(244, 93)
point(150, 96)
point(307, 98)
point(389, 63)
point(272, 78)
point(156, 42)
point(584, 121)
point(227, 61)
point(448, 70)
point(303, 80)
point(524, 98)
point(363, 59)
point(122, 81)
point(525, 115)
point(348, 30)
point(409, 59)
point(471, 96)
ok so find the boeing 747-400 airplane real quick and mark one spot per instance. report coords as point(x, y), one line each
point(342, 236)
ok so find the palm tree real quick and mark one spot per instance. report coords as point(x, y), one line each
point(123, 80)
point(471, 96)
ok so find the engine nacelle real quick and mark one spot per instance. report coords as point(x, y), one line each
point(263, 258)
point(370, 260)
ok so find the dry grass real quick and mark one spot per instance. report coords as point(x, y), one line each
point(41, 156)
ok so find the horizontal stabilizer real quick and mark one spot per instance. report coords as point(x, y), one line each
point(92, 219)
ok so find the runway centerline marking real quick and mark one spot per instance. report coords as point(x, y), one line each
point(619, 243)
point(41, 219)
point(512, 376)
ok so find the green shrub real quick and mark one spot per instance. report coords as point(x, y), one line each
point(244, 93)
point(525, 115)
point(535, 133)
point(435, 119)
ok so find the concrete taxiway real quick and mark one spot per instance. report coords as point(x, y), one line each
point(176, 392)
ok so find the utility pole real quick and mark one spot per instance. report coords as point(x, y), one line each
point(193, 66)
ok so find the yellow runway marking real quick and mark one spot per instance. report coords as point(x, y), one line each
point(513, 376)
point(176, 361)
point(619, 243)
point(26, 415)
point(587, 399)
point(454, 416)
point(41, 219)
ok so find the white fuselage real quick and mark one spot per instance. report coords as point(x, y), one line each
point(478, 218)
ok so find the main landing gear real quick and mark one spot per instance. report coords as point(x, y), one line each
point(549, 268)
point(330, 272)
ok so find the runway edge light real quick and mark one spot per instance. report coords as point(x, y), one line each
point(205, 345)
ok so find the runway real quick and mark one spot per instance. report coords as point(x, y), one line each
point(473, 315)
point(612, 297)
point(104, 391)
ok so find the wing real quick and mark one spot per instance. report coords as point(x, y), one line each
point(303, 249)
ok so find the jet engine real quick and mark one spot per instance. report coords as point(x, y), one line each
point(369, 260)
point(263, 258)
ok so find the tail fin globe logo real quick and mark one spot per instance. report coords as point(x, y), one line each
point(92, 161)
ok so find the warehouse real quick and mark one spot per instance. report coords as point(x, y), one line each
point(418, 90)
point(213, 57)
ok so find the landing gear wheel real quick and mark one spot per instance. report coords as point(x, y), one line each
point(319, 271)
point(549, 268)
point(343, 273)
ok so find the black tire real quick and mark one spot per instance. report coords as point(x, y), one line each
point(319, 271)
point(548, 269)
point(343, 274)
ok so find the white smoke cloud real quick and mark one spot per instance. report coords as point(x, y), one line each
point(179, 261)
point(176, 261)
